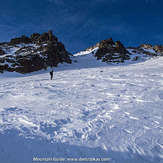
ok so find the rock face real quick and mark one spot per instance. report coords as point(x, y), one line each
point(146, 46)
point(148, 49)
point(28, 54)
point(110, 51)
point(158, 49)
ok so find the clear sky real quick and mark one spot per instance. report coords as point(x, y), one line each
point(81, 23)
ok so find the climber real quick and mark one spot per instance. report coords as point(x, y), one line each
point(51, 74)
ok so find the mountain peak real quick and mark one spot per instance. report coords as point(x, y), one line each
point(110, 51)
point(27, 54)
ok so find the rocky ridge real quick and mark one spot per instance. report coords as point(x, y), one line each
point(39, 51)
point(27, 54)
point(110, 51)
point(115, 52)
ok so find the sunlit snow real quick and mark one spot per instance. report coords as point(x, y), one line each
point(89, 110)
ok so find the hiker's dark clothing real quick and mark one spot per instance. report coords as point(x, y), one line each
point(51, 74)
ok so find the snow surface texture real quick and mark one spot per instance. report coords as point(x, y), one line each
point(89, 110)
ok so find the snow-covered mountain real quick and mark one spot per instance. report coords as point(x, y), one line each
point(110, 52)
point(93, 110)
point(40, 51)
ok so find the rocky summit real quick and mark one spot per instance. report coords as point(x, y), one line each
point(148, 49)
point(115, 52)
point(157, 48)
point(27, 54)
point(110, 51)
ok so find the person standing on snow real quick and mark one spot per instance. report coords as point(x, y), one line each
point(51, 74)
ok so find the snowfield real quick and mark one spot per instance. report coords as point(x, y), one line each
point(89, 110)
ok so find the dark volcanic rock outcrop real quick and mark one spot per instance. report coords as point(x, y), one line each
point(110, 51)
point(20, 40)
point(28, 54)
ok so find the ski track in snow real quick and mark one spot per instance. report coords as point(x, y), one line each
point(115, 108)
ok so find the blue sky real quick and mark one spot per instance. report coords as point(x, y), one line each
point(81, 23)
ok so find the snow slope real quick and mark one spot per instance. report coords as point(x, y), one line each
point(90, 110)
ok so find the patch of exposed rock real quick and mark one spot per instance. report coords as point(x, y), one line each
point(158, 49)
point(110, 51)
point(148, 49)
point(28, 54)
